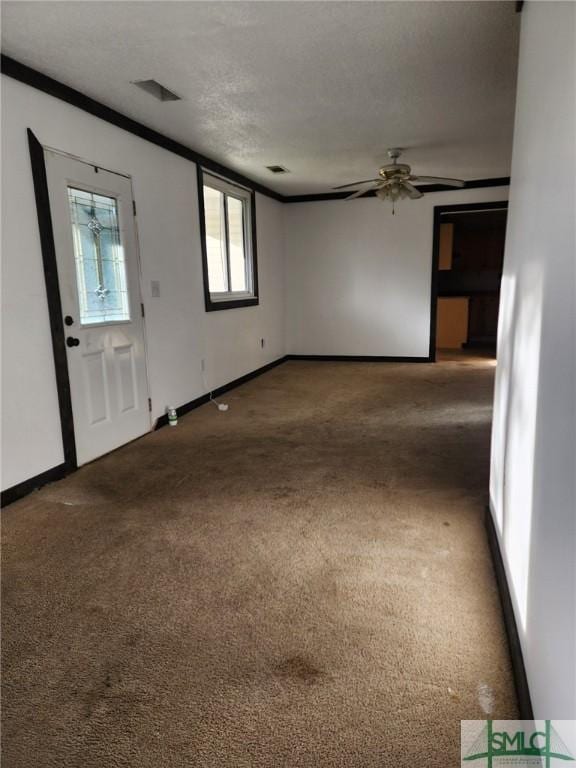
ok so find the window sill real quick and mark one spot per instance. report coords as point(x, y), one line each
point(214, 305)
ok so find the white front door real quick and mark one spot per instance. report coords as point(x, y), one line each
point(98, 274)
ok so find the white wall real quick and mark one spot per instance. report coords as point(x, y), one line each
point(179, 332)
point(532, 488)
point(358, 278)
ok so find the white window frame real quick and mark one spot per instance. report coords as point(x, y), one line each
point(230, 299)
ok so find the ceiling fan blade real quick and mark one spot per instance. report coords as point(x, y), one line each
point(438, 180)
point(361, 192)
point(356, 183)
point(413, 193)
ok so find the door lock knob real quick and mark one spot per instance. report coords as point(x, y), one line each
point(72, 342)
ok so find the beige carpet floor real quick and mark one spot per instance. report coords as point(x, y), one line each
point(301, 581)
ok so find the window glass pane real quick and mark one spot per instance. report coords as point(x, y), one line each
point(215, 240)
point(99, 258)
point(237, 253)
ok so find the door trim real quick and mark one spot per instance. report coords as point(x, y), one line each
point(55, 313)
point(48, 248)
point(497, 205)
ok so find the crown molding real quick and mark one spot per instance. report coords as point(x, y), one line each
point(52, 87)
point(501, 181)
point(58, 90)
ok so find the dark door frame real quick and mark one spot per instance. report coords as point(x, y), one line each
point(55, 313)
point(439, 210)
point(48, 248)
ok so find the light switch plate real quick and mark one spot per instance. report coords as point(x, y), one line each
point(155, 288)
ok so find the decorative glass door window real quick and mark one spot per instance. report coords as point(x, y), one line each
point(99, 258)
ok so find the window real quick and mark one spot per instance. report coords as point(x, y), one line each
point(99, 258)
point(228, 243)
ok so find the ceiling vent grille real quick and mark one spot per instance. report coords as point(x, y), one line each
point(277, 169)
point(155, 89)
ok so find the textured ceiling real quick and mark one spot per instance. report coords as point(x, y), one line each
point(322, 88)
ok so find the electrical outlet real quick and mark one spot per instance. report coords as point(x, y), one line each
point(155, 288)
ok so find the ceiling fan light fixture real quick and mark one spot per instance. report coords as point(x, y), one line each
point(394, 191)
point(396, 182)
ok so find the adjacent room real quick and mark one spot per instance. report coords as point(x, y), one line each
point(468, 273)
point(288, 382)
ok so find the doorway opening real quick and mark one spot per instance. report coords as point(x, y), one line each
point(466, 274)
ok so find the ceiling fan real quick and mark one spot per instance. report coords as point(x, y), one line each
point(395, 182)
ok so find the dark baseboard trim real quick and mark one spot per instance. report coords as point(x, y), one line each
point(32, 484)
point(62, 470)
point(190, 406)
point(360, 358)
point(518, 668)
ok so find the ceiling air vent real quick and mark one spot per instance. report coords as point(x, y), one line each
point(156, 90)
point(277, 169)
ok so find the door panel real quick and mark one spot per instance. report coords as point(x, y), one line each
point(99, 279)
point(124, 365)
point(95, 387)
